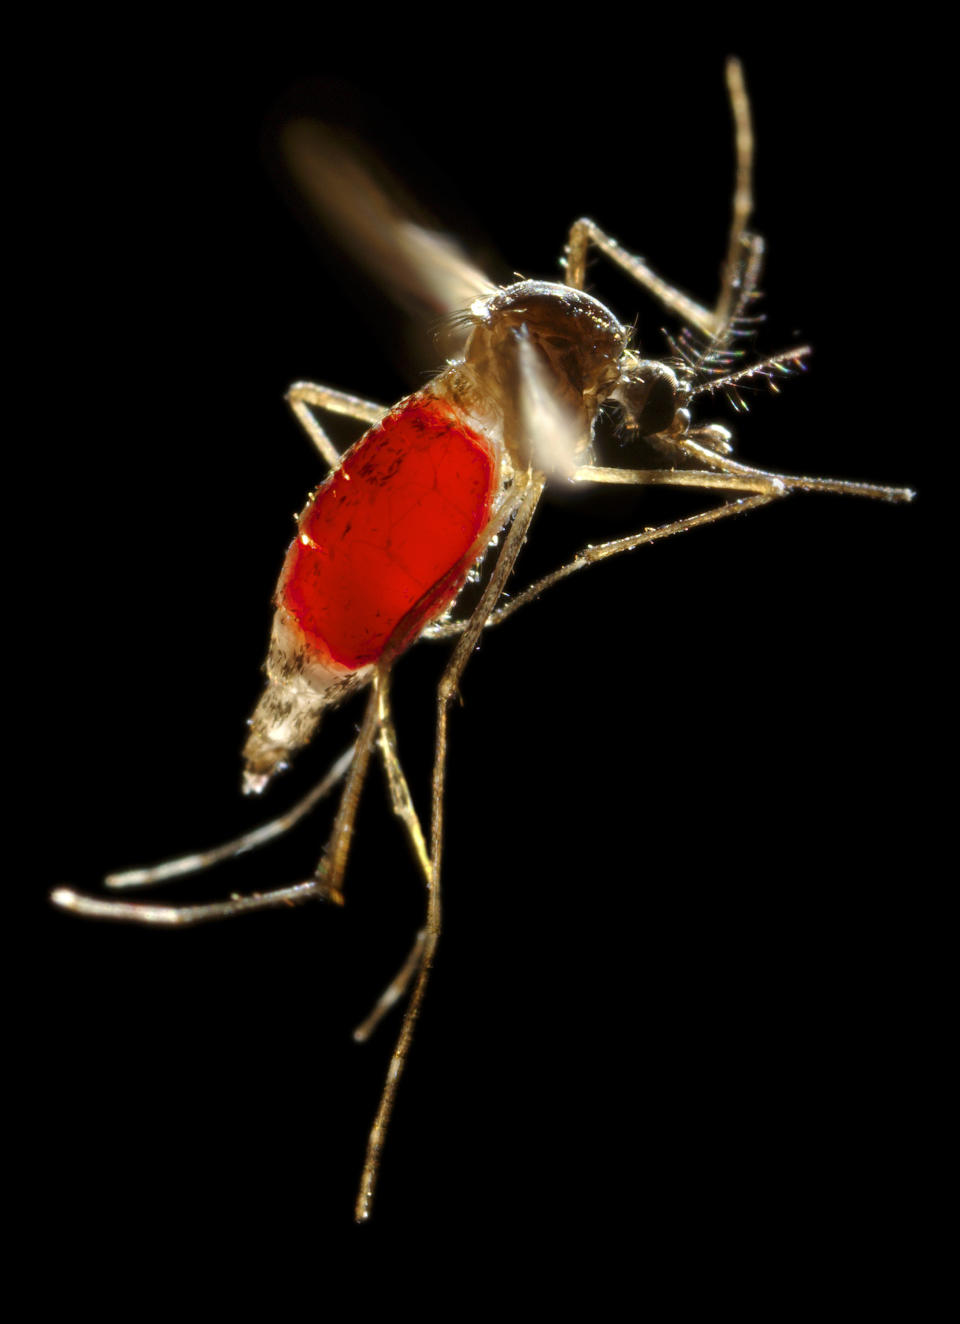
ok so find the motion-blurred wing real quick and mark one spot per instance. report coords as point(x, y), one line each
point(365, 211)
point(554, 430)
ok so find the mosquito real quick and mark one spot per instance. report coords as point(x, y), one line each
point(387, 541)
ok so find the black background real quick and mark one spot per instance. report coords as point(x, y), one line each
point(668, 1016)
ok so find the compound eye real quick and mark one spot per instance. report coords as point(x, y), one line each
point(659, 406)
point(652, 397)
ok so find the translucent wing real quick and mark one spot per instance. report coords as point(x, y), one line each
point(365, 210)
point(555, 432)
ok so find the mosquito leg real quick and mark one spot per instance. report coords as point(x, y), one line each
point(727, 476)
point(331, 866)
point(739, 242)
point(144, 912)
point(304, 396)
point(602, 552)
point(185, 864)
point(326, 882)
point(402, 803)
point(730, 476)
point(447, 689)
point(394, 990)
point(400, 797)
point(585, 232)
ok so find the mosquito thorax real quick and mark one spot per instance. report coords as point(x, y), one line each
point(578, 341)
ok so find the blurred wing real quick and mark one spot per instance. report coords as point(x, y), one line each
point(553, 429)
point(364, 209)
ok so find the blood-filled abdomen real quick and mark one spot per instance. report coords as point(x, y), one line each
point(388, 532)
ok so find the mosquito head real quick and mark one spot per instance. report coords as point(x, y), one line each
point(651, 396)
point(579, 340)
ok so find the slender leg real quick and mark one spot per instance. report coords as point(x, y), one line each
point(585, 232)
point(304, 395)
point(400, 797)
point(602, 552)
point(142, 912)
point(394, 991)
point(402, 803)
point(185, 864)
point(742, 193)
point(447, 689)
point(148, 913)
point(333, 862)
point(327, 879)
point(731, 476)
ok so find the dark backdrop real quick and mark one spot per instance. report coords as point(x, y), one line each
point(679, 839)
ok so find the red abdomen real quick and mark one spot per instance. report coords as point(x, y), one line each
point(388, 532)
